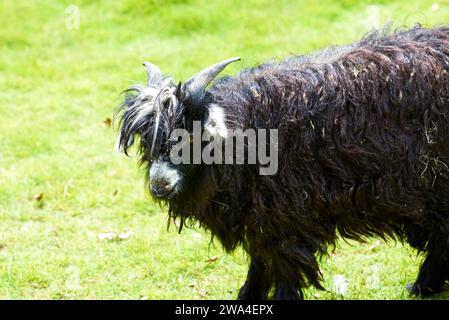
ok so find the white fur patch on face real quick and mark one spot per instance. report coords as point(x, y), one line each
point(146, 100)
point(150, 101)
point(215, 124)
point(144, 108)
point(149, 92)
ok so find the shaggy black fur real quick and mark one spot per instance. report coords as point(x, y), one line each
point(363, 151)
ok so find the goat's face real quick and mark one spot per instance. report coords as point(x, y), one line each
point(151, 113)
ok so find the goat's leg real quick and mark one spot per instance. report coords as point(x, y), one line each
point(285, 291)
point(257, 284)
point(294, 268)
point(432, 275)
point(431, 238)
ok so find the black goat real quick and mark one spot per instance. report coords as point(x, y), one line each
point(363, 148)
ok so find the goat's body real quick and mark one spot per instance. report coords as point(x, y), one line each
point(363, 150)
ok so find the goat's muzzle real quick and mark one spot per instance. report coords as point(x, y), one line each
point(164, 179)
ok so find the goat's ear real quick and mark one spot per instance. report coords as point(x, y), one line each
point(179, 92)
point(215, 122)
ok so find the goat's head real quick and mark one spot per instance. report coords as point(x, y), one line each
point(151, 112)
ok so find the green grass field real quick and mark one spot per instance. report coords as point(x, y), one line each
point(75, 221)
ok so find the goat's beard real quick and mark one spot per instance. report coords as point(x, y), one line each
point(187, 206)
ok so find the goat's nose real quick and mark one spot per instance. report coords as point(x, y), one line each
point(161, 188)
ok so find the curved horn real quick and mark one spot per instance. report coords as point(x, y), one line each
point(154, 74)
point(202, 79)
